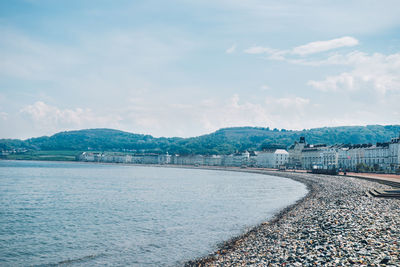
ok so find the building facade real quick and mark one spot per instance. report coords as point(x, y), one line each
point(384, 157)
point(272, 158)
point(295, 153)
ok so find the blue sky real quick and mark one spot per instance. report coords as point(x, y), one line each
point(186, 68)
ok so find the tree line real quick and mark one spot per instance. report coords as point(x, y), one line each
point(223, 141)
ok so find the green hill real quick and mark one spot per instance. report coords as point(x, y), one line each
point(223, 141)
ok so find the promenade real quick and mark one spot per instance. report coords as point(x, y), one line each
point(336, 224)
point(376, 176)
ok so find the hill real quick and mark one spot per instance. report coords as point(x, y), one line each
point(223, 141)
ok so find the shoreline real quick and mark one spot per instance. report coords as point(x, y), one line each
point(273, 215)
point(335, 224)
point(326, 227)
point(232, 243)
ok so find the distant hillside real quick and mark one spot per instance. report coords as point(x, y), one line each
point(223, 141)
point(91, 139)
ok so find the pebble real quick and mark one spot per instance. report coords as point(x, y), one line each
point(336, 224)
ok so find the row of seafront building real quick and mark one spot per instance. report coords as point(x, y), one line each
point(270, 158)
point(383, 157)
point(380, 157)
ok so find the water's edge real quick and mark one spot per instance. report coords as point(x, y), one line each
point(230, 244)
point(224, 246)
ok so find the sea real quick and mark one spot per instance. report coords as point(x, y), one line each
point(87, 214)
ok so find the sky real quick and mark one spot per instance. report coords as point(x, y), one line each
point(187, 68)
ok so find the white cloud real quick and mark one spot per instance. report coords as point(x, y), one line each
point(177, 119)
point(376, 72)
point(184, 119)
point(4, 115)
point(259, 50)
point(96, 62)
point(108, 66)
point(325, 17)
point(303, 50)
point(23, 57)
point(288, 102)
point(322, 46)
point(273, 54)
point(231, 49)
point(51, 119)
point(334, 83)
point(285, 112)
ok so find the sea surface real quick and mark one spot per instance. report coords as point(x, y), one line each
point(80, 214)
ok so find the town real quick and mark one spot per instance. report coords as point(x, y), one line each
point(381, 157)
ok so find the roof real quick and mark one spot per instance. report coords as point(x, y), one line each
point(281, 151)
point(273, 151)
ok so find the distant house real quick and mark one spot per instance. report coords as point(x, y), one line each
point(90, 156)
point(295, 153)
point(380, 157)
point(212, 160)
point(164, 159)
point(252, 159)
point(241, 159)
point(150, 158)
point(394, 154)
point(272, 158)
point(237, 159)
point(189, 160)
point(312, 156)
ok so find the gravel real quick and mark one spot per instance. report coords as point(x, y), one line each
point(336, 224)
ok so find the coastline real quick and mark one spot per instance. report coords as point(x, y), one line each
point(334, 224)
point(230, 245)
point(184, 251)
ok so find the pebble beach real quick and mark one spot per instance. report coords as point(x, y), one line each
point(336, 224)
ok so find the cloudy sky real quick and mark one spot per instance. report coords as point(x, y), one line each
point(188, 67)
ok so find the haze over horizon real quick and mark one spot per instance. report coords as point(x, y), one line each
point(187, 68)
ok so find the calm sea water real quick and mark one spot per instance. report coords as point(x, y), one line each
point(80, 214)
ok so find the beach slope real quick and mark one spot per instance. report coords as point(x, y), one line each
point(335, 224)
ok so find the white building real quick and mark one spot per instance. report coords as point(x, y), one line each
point(88, 156)
point(241, 159)
point(380, 157)
point(212, 160)
point(164, 159)
point(227, 160)
point(330, 157)
point(377, 156)
point(236, 160)
point(105, 157)
point(295, 153)
point(272, 158)
point(394, 154)
point(189, 160)
point(312, 156)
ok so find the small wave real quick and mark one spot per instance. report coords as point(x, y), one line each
point(72, 261)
